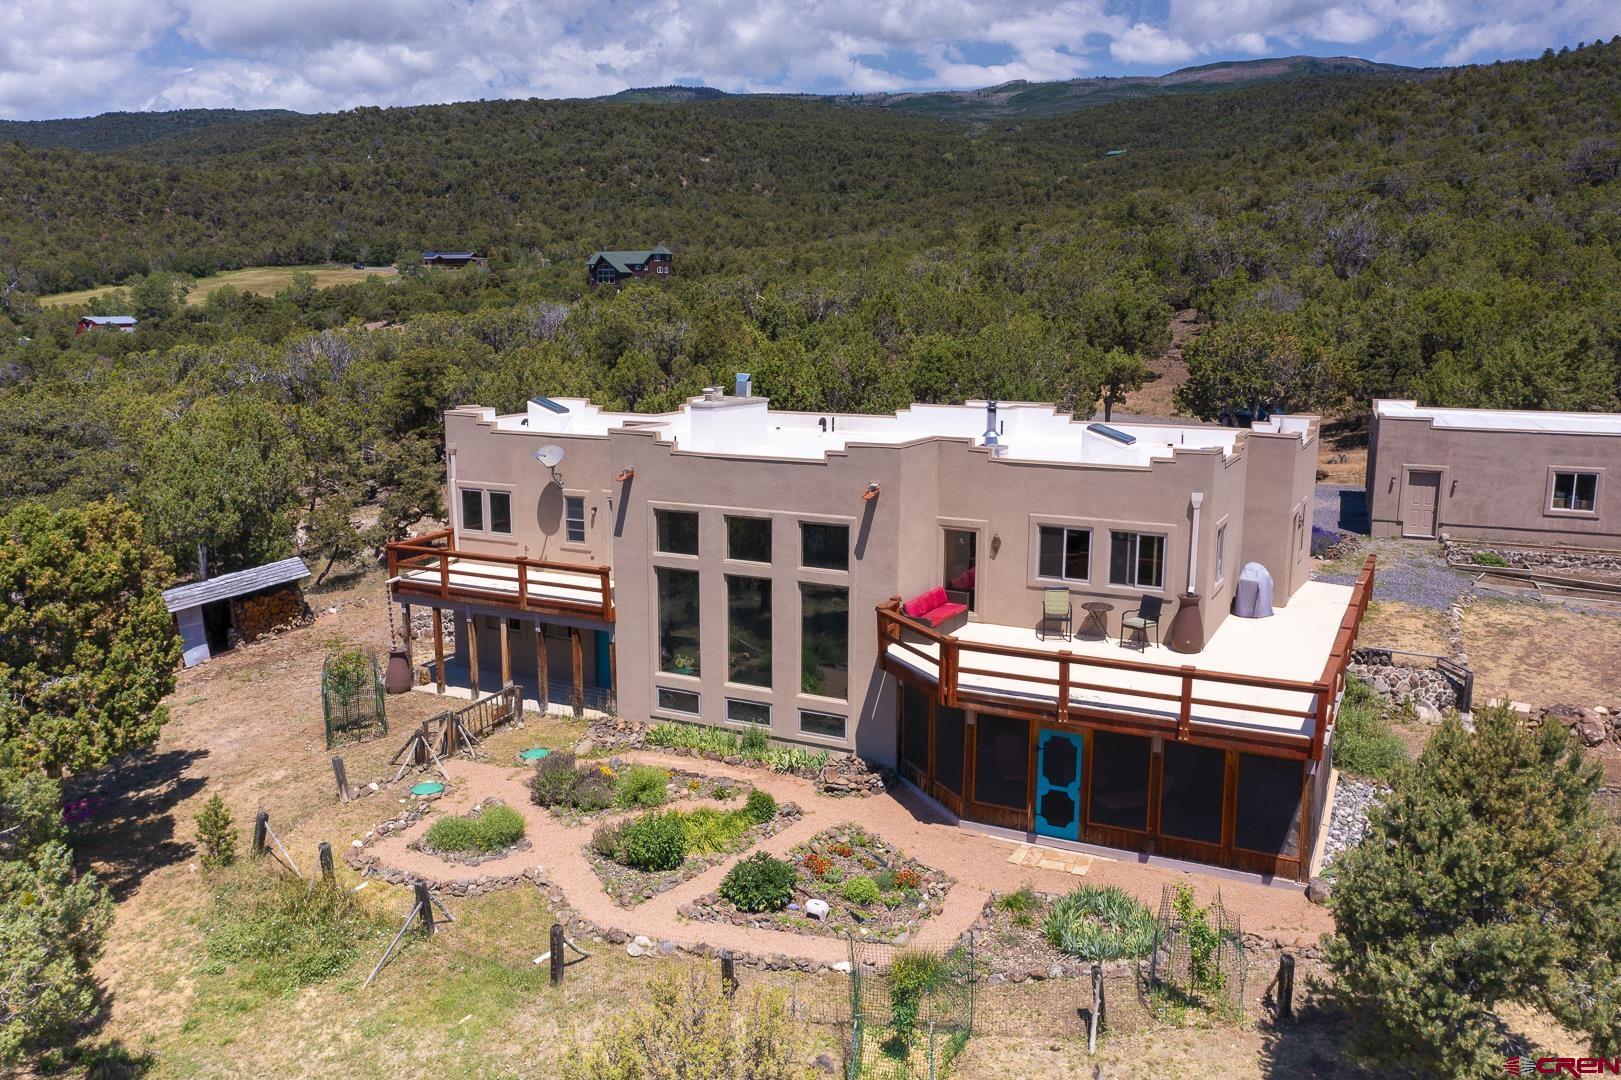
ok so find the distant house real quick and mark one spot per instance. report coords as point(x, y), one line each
point(123, 323)
point(613, 267)
point(453, 258)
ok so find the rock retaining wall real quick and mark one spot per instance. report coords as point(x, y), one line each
point(1422, 686)
point(1463, 551)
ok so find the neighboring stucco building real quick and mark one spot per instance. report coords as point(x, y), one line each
point(734, 565)
point(1491, 474)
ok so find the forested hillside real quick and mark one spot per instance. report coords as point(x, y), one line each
point(1454, 239)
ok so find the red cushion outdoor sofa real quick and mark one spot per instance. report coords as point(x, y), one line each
point(933, 607)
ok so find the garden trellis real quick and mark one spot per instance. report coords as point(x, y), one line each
point(352, 697)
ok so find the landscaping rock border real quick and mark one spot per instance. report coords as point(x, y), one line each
point(627, 887)
point(471, 858)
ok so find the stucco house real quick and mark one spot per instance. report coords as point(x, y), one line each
point(876, 584)
point(1494, 474)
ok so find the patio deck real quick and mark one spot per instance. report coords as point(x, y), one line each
point(1272, 679)
point(426, 566)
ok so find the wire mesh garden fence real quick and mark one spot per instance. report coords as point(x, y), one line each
point(352, 697)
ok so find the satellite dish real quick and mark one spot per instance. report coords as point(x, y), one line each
point(549, 456)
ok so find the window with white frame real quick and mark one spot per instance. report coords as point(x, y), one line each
point(501, 511)
point(1221, 554)
point(1575, 491)
point(681, 701)
point(1137, 560)
point(1064, 554)
point(473, 509)
point(739, 711)
point(574, 519)
point(826, 725)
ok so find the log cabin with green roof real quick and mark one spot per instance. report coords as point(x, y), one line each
point(613, 267)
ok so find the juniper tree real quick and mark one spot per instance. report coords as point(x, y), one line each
point(1489, 875)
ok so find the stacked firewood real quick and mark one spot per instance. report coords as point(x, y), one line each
point(270, 612)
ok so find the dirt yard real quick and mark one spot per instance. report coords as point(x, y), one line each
point(1544, 654)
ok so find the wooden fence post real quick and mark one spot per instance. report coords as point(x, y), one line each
point(557, 954)
point(261, 821)
point(425, 906)
point(1097, 1010)
point(728, 973)
point(341, 776)
point(1286, 987)
point(324, 853)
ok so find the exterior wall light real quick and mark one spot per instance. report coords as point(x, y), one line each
point(871, 493)
point(624, 474)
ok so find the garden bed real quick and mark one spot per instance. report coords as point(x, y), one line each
point(490, 831)
point(582, 793)
point(1018, 935)
point(871, 890)
point(714, 836)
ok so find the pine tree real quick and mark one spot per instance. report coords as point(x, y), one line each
point(1489, 875)
point(216, 834)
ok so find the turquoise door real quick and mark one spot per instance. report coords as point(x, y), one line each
point(1058, 785)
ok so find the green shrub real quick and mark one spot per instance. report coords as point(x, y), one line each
point(286, 934)
point(760, 807)
point(494, 828)
point(754, 744)
point(607, 838)
point(711, 831)
point(642, 785)
point(554, 780)
point(700, 737)
point(861, 891)
point(913, 975)
point(1364, 744)
point(1488, 558)
point(593, 792)
point(216, 834)
point(1021, 901)
point(654, 842)
point(759, 883)
point(1100, 922)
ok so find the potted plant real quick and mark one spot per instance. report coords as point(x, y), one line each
point(683, 664)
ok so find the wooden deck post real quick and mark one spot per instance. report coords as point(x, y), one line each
point(542, 675)
point(1063, 685)
point(472, 650)
point(506, 651)
point(1184, 715)
point(579, 669)
point(439, 649)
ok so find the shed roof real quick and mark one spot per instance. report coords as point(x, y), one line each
point(624, 260)
point(239, 583)
point(1522, 420)
point(110, 320)
point(449, 255)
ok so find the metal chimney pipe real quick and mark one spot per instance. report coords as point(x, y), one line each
point(990, 437)
point(745, 384)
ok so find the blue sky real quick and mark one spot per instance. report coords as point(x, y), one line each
point(77, 57)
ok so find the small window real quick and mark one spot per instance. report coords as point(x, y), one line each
point(501, 511)
point(748, 712)
point(824, 724)
point(1137, 560)
point(677, 532)
point(1065, 554)
point(473, 509)
point(824, 547)
point(1221, 554)
point(748, 539)
point(1576, 491)
point(681, 701)
point(574, 519)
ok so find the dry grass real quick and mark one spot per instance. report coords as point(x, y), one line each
point(1543, 654)
point(265, 280)
point(1395, 625)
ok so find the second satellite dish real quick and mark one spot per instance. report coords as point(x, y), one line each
point(549, 456)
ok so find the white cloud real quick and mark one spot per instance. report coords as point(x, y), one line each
point(68, 57)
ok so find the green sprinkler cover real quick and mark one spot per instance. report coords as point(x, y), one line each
point(534, 754)
point(427, 787)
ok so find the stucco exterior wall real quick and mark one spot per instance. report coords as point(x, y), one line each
point(1280, 481)
point(1495, 485)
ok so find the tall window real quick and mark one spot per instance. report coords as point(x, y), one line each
point(501, 511)
point(825, 547)
point(1137, 560)
point(962, 562)
point(824, 659)
point(1221, 553)
point(748, 539)
point(1065, 553)
point(678, 620)
point(677, 532)
point(574, 519)
point(748, 630)
point(473, 509)
point(1575, 491)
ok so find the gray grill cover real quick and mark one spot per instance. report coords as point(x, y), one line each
point(1252, 598)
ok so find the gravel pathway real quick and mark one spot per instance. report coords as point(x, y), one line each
point(979, 863)
point(1412, 571)
point(1348, 823)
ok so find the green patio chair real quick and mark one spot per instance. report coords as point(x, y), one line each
point(1136, 623)
point(1056, 606)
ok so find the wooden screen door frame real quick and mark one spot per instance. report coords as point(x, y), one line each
point(1409, 489)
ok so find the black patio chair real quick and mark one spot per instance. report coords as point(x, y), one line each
point(1137, 623)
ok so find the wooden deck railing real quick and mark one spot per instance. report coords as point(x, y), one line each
point(954, 658)
point(425, 565)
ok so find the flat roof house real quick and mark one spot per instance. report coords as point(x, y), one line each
point(876, 584)
point(1494, 474)
point(613, 267)
point(123, 323)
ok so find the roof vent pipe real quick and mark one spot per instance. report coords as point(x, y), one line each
point(745, 384)
point(713, 393)
point(990, 437)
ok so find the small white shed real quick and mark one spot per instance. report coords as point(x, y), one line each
point(204, 614)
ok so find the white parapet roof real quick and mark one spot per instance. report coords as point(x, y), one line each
point(747, 427)
point(1528, 420)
